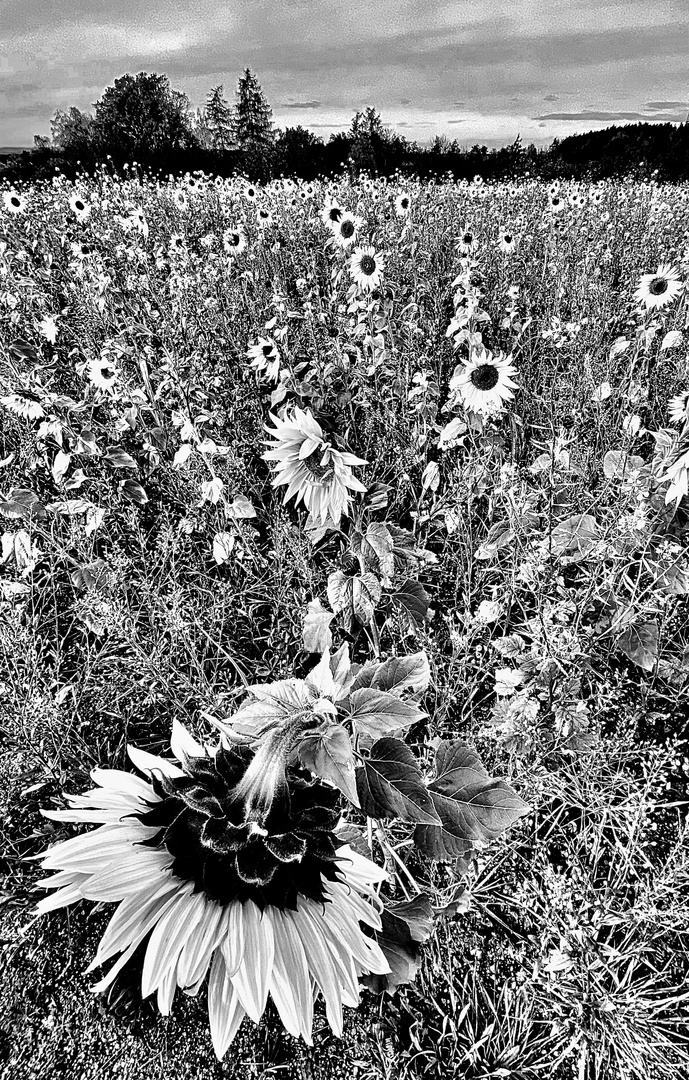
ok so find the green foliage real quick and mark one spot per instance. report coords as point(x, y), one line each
point(141, 116)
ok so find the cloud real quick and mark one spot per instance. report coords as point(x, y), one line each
point(299, 104)
point(405, 101)
point(456, 121)
point(551, 97)
point(600, 115)
point(666, 105)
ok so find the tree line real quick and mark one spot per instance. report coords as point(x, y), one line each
point(142, 118)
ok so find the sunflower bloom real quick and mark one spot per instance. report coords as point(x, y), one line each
point(657, 290)
point(102, 373)
point(678, 408)
point(265, 358)
point(366, 267)
point(272, 909)
point(314, 471)
point(485, 382)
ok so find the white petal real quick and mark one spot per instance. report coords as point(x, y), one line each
point(166, 942)
point(252, 977)
point(202, 942)
point(149, 763)
point(93, 850)
point(121, 781)
point(290, 985)
point(68, 895)
point(321, 966)
point(134, 918)
point(139, 872)
point(166, 991)
point(105, 982)
point(225, 1012)
point(183, 744)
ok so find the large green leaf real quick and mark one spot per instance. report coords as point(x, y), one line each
point(317, 634)
point(473, 808)
point(405, 927)
point(390, 785)
point(377, 713)
point(414, 599)
point(353, 597)
point(328, 754)
point(403, 673)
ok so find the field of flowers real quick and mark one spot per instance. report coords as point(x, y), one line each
point(344, 588)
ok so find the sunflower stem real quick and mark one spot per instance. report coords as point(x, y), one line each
point(389, 850)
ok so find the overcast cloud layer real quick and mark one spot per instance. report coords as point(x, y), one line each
point(476, 70)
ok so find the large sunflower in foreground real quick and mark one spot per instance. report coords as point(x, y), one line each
point(266, 907)
point(485, 382)
point(314, 471)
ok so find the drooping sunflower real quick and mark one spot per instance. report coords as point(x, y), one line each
point(265, 357)
point(267, 908)
point(657, 290)
point(314, 471)
point(366, 267)
point(485, 382)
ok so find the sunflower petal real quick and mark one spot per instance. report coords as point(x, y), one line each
point(251, 978)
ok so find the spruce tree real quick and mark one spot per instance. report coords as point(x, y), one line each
point(252, 128)
point(219, 119)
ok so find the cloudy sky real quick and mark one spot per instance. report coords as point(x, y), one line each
point(475, 70)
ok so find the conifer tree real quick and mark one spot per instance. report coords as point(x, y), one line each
point(252, 128)
point(218, 119)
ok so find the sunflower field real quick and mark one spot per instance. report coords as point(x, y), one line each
point(344, 594)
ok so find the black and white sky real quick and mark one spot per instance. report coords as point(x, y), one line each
point(476, 70)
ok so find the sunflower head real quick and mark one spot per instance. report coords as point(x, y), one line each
point(201, 821)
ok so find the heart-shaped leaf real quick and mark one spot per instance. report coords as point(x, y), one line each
point(390, 785)
point(328, 754)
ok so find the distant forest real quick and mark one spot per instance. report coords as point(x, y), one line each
point(141, 119)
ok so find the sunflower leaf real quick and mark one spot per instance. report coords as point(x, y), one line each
point(377, 713)
point(403, 673)
point(119, 458)
point(473, 808)
point(376, 549)
point(353, 597)
point(640, 644)
point(414, 599)
point(317, 635)
point(329, 756)
point(390, 785)
point(405, 927)
point(134, 492)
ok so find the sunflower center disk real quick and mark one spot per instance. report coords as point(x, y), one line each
point(658, 286)
point(368, 264)
point(485, 377)
point(201, 823)
point(347, 229)
point(319, 474)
